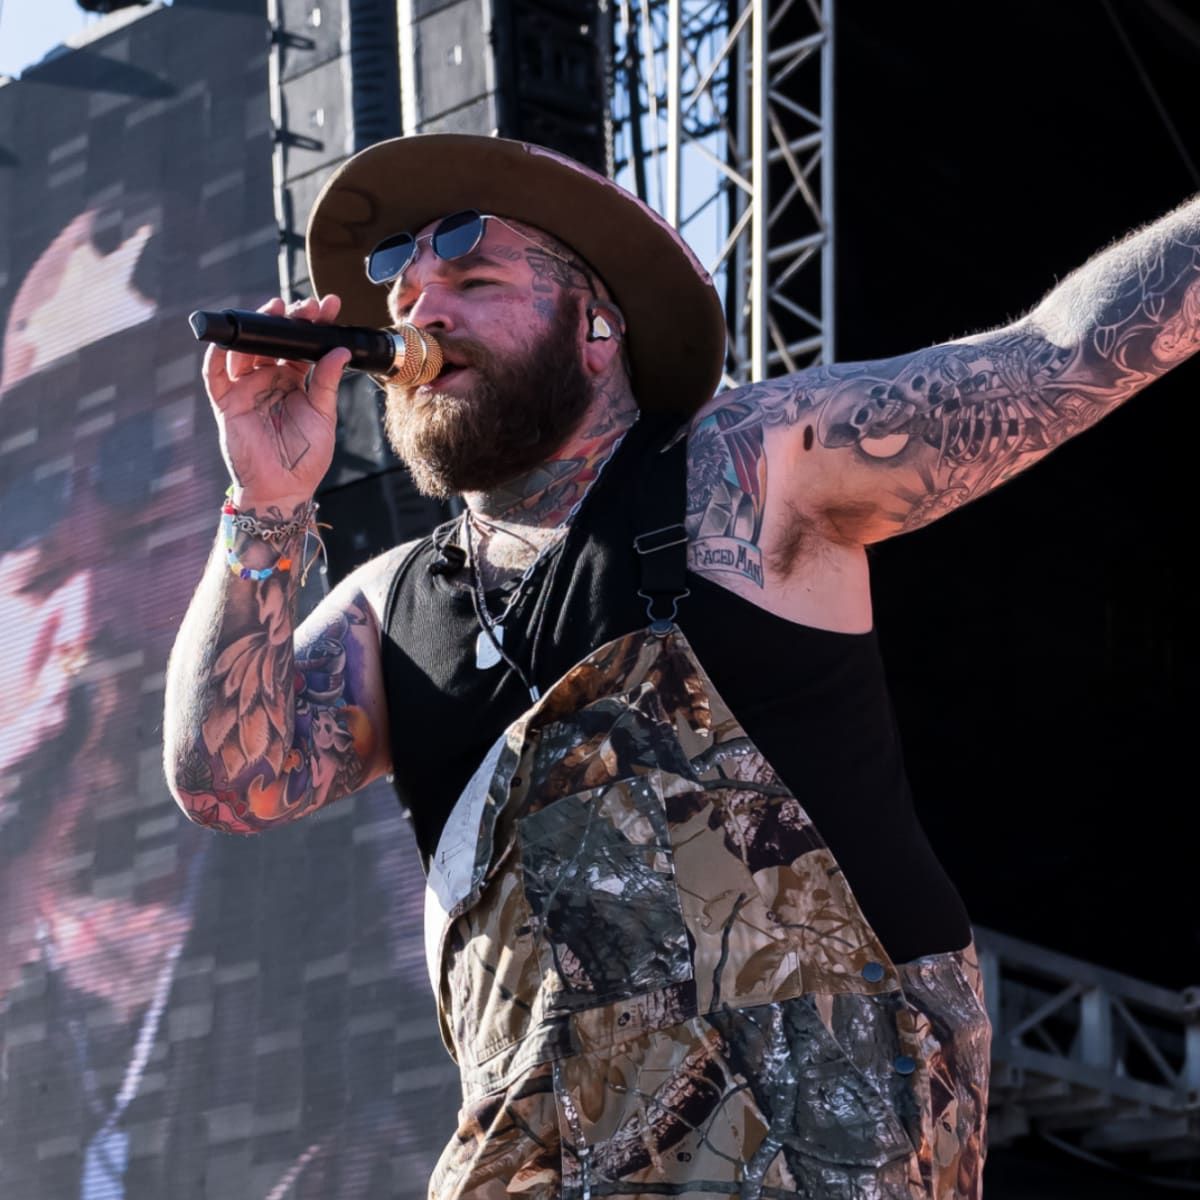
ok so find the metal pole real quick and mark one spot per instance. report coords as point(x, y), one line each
point(828, 262)
point(279, 196)
point(758, 179)
point(410, 110)
point(633, 90)
point(674, 116)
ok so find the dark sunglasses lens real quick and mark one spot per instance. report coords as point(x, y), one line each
point(390, 257)
point(457, 235)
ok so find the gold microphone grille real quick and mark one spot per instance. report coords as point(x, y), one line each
point(422, 358)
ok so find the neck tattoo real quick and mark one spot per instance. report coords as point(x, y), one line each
point(489, 644)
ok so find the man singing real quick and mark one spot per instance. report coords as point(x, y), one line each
point(686, 934)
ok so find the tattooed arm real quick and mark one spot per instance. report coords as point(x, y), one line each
point(870, 450)
point(263, 725)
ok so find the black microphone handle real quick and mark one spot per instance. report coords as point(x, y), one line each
point(282, 337)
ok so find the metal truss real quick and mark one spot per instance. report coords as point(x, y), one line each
point(723, 121)
point(1111, 1062)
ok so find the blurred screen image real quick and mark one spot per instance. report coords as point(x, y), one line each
point(181, 1014)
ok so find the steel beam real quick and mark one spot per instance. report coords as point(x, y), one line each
point(723, 118)
point(1077, 1047)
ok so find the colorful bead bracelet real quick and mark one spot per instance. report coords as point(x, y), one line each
point(233, 522)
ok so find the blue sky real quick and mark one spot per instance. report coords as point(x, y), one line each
point(28, 28)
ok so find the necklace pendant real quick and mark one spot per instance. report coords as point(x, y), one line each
point(487, 655)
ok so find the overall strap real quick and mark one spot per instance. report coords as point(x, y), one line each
point(402, 575)
point(661, 540)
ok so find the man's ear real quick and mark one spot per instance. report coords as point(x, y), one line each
point(605, 329)
point(599, 329)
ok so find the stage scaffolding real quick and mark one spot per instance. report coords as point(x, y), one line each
point(723, 121)
point(1096, 1062)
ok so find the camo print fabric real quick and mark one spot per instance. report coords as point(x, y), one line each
point(655, 980)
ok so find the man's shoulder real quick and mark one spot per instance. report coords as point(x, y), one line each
point(373, 580)
point(781, 400)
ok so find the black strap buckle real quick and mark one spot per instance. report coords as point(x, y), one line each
point(661, 626)
point(662, 551)
point(654, 540)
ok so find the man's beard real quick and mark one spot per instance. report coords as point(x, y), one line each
point(521, 410)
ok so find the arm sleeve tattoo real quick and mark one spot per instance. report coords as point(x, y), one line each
point(924, 433)
point(275, 731)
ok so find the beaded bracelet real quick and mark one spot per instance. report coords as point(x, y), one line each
point(233, 522)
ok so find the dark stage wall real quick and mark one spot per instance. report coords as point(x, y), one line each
point(182, 1014)
point(1035, 638)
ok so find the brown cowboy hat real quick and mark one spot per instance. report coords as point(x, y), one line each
point(675, 325)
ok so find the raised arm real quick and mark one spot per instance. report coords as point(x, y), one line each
point(864, 451)
point(265, 722)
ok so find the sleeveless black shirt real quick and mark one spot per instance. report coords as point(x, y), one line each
point(814, 702)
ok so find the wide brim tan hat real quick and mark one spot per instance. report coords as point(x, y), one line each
point(674, 321)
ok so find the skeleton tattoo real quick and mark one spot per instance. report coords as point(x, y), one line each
point(927, 432)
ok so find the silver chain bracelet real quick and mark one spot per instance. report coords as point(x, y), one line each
point(276, 532)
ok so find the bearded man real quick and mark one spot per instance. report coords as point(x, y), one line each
point(686, 934)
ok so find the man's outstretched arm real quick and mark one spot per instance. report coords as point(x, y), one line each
point(868, 450)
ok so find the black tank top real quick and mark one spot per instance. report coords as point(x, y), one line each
point(814, 702)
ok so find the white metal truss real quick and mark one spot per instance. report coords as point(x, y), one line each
point(723, 121)
point(1108, 1061)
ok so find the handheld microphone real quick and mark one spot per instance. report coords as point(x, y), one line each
point(407, 356)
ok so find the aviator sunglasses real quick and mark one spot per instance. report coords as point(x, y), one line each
point(455, 236)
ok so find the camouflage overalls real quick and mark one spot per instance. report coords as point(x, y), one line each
point(655, 980)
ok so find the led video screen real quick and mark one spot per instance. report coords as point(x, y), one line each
point(182, 1013)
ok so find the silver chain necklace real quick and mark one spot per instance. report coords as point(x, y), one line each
point(489, 643)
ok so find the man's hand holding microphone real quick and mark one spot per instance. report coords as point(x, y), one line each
point(276, 417)
point(276, 413)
